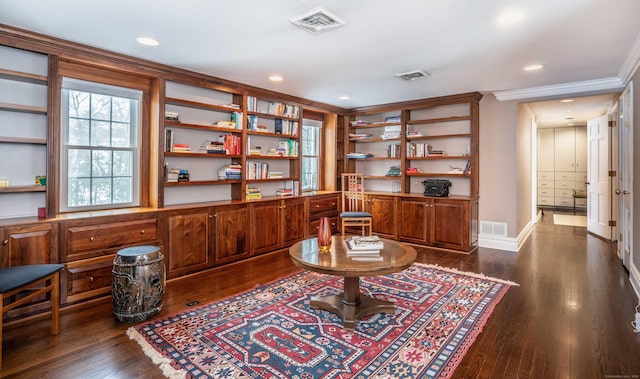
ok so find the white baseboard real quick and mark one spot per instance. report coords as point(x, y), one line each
point(634, 278)
point(493, 241)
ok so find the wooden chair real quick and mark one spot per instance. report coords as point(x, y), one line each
point(353, 210)
point(30, 282)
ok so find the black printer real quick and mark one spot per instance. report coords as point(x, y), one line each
point(436, 187)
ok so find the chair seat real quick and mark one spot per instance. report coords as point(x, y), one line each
point(15, 277)
point(355, 214)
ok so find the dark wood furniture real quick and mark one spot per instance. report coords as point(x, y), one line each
point(351, 305)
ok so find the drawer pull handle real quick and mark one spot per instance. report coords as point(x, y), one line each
point(5, 242)
point(91, 279)
point(92, 239)
point(142, 231)
point(317, 206)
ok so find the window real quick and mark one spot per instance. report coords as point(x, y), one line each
point(310, 154)
point(100, 146)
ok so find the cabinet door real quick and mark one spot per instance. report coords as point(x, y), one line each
point(414, 220)
point(382, 209)
point(265, 226)
point(546, 150)
point(565, 149)
point(581, 149)
point(451, 224)
point(293, 220)
point(188, 242)
point(28, 245)
point(230, 233)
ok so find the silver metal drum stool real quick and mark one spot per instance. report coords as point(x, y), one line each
point(138, 283)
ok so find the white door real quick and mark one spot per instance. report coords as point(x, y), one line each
point(625, 177)
point(598, 189)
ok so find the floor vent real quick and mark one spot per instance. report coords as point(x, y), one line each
point(318, 20)
point(493, 228)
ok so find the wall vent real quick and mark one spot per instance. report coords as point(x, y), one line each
point(493, 228)
point(318, 20)
point(412, 75)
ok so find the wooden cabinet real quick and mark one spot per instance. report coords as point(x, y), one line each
point(28, 245)
point(415, 220)
point(230, 233)
point(89, 245)
point(323, 206)
point(188, 246)
point(276, 224)
point(382, 209)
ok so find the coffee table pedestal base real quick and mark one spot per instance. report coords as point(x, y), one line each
point(351, 305)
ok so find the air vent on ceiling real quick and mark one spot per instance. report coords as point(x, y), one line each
point(318, 20)
point(412, 75)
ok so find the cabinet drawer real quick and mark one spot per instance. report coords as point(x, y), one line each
point(564, 201)
point(545, 175)
point(580, 186)
point(545, 184)
point(564, 185)
point(581, 176)
point(565, 176)
point(564, 193)
point(314, 226)
point(88, 278)
point(323, 204)
point(545, 200)
point(91, 240)
point(546, 192)
point(581, 202)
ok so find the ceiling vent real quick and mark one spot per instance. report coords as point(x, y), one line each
point(412, 75)
point(318, 20)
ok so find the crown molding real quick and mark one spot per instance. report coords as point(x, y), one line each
point(630, 64)
point(561, 89)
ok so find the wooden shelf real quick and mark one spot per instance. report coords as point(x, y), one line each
point(271, 157)
point(375, 125)
point(441, 119)
point(23, 108)
point(460, 135)
point(272, 116)
point(434, 174)
point(378, 159)
point(26, 140)
point(199, 155)
point(23, 77)
point(384, 177)
point(195, 104)
point(377, 139)
point(202, 182)
point(269, 180)
point(19, 189)
point(209, 128)
point(270, 134)
point(437, 157)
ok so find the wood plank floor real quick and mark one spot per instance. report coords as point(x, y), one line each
point(568, 318)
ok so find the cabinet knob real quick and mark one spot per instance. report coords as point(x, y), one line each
point(92, 239)
point(91, 279)
point(317, 206)
point(142, 231)
point(5, 242)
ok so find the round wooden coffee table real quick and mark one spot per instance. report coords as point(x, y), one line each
point(351, 305)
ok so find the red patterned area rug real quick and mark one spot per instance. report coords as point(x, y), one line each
point(270, 331)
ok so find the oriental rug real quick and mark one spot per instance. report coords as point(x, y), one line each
point(271, 332)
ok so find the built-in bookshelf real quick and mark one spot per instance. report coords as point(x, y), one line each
point(23, 132)
point(398, 146)
point(272, 151)
point(203, 132)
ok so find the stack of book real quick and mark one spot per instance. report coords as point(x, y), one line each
point(253, 193)
point(284, 192)
point(173, 116)
point(394, 171)
point(226, 124)
point(181, 148)
point(177, 175)
point(230, 171)
point(363, 246)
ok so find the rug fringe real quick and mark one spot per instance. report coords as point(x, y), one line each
point(163, 362)
point(468, 273)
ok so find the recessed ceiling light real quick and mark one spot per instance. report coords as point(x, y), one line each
point(533, 67)
point(344, 97)
point(510, 17)
point(147, 41)
point(566, 100)
point(276, 78)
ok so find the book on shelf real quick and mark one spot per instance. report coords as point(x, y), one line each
point(391, 132)
point(275, 175)
point(467, 167)
point(226, 124)
point(437, 152)
point(230, 171)
point(284, 192)
point(393, 151)
point(253, 193)
point(168, 140)
point(412, 170)
point(358, 123)
point(359, 136)
point(177, 175)
point(172, 116)
point(236, 118)
point(359, 155)
point(394, 171)
point(181, 147)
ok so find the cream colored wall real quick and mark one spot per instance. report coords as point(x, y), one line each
point(523, 171)
point(636, 168)
point(498, 163)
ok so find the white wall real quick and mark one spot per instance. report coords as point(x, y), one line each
point(635, 261)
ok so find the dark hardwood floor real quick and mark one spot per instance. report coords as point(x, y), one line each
point(568, 318)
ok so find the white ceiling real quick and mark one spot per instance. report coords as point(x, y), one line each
point(457, 42)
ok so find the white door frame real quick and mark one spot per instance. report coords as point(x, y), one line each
point(598, 180)
point(625, 177)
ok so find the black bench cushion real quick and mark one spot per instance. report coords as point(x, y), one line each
point(14, 277)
